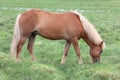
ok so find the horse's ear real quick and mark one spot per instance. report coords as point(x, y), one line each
point(101, 43)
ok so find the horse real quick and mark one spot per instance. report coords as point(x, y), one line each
point(68, 26)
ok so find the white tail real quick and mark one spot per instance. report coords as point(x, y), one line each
point(90, 30)
point(16, 38)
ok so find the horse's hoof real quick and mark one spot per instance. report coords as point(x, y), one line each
point(62, 62)
point(34, 60)
point(17, 60)
point(80, 62)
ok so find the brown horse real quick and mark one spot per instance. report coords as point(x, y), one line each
point(70, 26)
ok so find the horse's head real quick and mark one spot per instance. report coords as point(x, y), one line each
point(96, 51)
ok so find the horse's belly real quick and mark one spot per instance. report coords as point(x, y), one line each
point(53, 35)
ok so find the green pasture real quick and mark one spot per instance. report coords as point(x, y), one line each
point(104, 14)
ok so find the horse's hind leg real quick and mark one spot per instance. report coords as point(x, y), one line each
point(77, 50)
point(30, 46)
point(67, 46)
point(19, 47)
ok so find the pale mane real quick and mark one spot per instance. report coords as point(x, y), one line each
point(90, 30)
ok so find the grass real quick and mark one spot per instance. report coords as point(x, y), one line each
point(103, 14)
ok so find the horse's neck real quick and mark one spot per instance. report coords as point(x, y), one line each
point(88, 41)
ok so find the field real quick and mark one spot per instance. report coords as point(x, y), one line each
point(104, 14)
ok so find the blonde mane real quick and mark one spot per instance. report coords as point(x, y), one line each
point(90, 30)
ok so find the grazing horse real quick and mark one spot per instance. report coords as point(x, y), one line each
point(70, 26)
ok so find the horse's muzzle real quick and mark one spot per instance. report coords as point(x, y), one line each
point(96, 60)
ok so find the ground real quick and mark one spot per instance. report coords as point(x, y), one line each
point(104, 15)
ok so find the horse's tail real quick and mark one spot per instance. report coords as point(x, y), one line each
point(16, 38)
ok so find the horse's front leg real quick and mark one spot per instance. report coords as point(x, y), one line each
point(67, 46)
point(77, 50)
